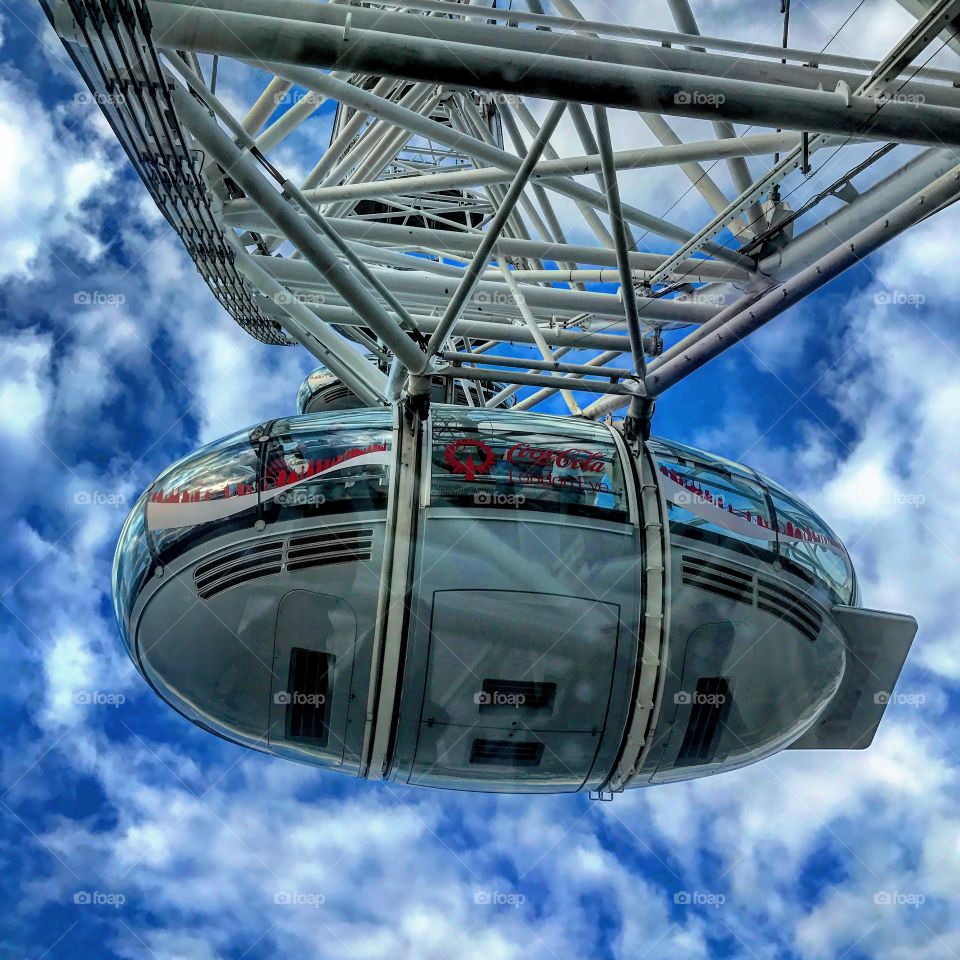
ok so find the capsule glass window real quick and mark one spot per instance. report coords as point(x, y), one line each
point(807, 542)
point(131, 566)
point(489, 459)
point(707, 501)
point(321, 464)
point(205, 495)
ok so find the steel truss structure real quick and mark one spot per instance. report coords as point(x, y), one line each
point(445, 227)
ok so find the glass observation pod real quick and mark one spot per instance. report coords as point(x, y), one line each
point(497, 601)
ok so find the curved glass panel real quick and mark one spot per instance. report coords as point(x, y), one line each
point(316, 465)
point(710, 501)
point(805, 540)
point(204, 495)
point(490, 459)
point(131, 566)
point(320, 377)
point(715, 499)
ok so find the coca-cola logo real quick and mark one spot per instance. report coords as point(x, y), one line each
point(468, 465)
point(525, 456)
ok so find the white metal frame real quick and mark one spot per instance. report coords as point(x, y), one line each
point(429, 228)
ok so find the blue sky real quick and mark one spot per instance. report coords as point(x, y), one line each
point(115, 361)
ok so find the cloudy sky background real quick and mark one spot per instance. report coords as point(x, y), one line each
point(853, 403)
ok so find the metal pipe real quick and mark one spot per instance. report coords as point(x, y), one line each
point(491, 62)
point(537, 398)
point(620, 390)
point(489, 241)
point(478, 329)
point(668, 38)
point(444, 133)
point(241, 168)
point(705, 347)
point(245, 215)
point(365, 380)
point(438, 289)
point(627, 293)
point(581, 369)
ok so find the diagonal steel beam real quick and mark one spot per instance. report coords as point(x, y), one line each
point(482, 256)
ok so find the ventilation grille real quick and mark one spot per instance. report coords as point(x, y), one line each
point(711, 701)
point(516, 695)
point(715, 577)
point(768, 595)
point(788, 605)
point(238, 566)
point(507, 753)
point(307, 688)
point(263, 559)
point(329, 546)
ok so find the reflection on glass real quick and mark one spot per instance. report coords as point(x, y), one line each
point(715, 499)
point(808, 542)
point(131, 566)
point(491, 459)
point(206, 494)
point(311, 465)
point(344, 468)
point(711, 501)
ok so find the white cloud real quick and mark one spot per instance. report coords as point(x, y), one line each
point(45, 181)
